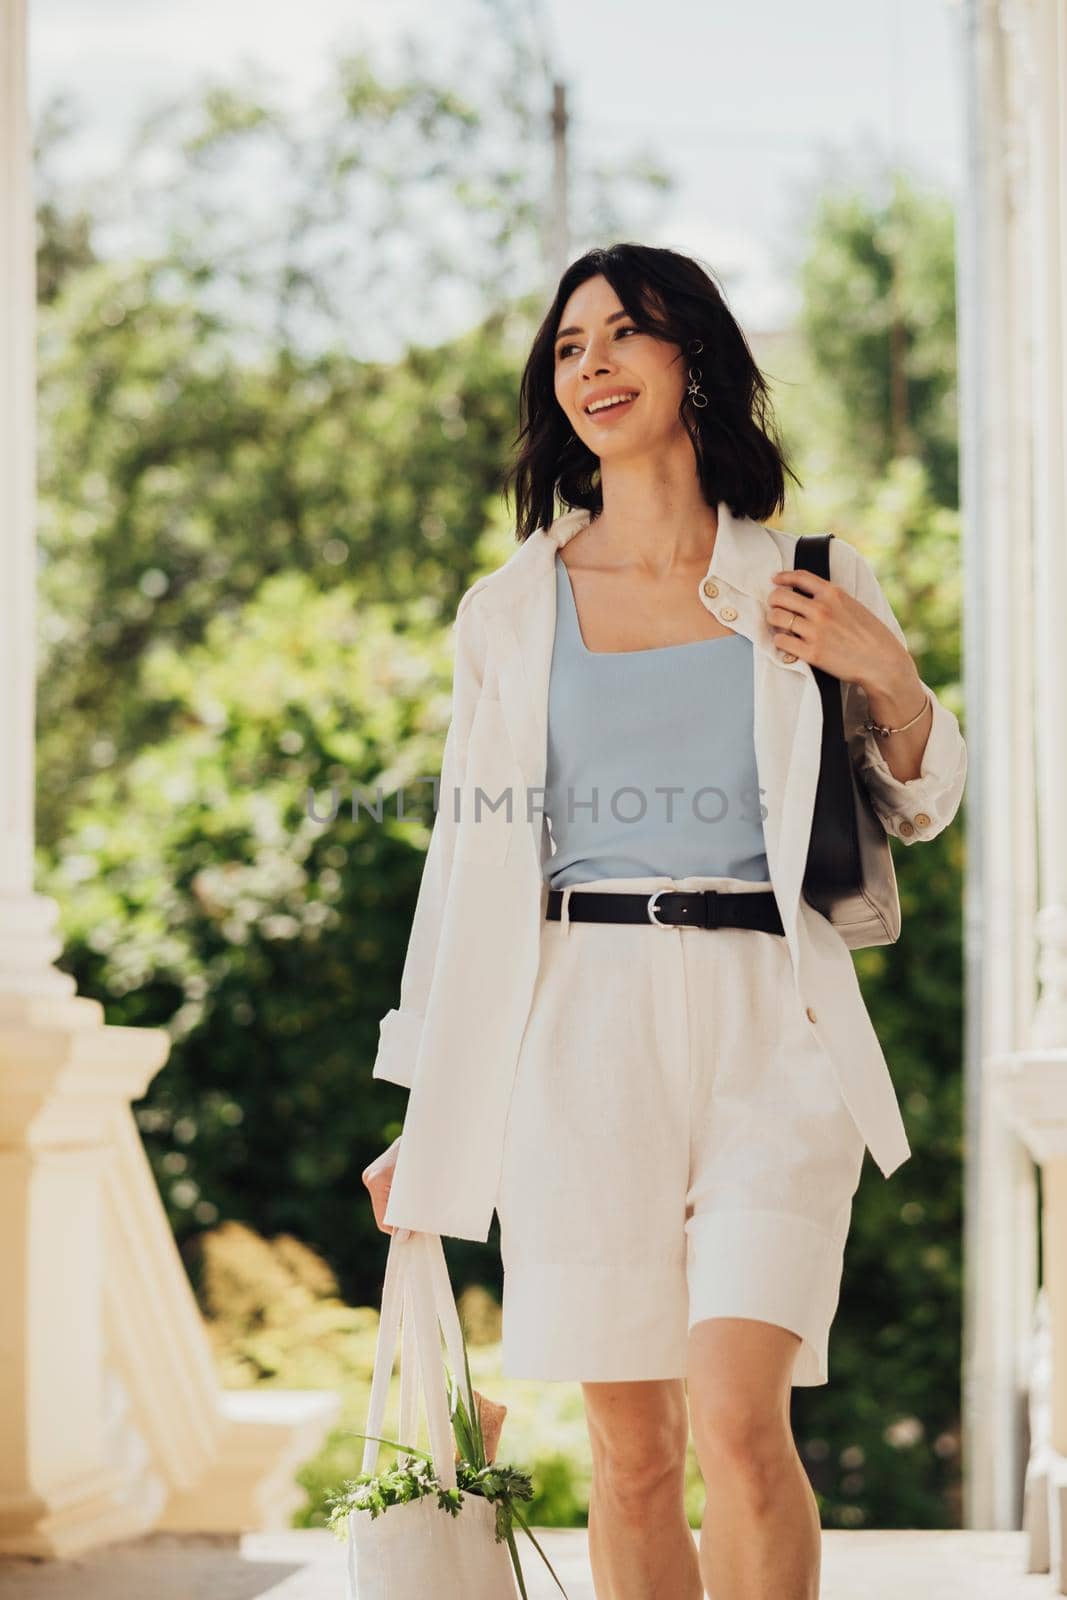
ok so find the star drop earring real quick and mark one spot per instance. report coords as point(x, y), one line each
point(694, 391)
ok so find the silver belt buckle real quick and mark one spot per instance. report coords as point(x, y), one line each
point(651, 909)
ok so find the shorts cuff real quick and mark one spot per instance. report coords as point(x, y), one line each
point(773, 1266)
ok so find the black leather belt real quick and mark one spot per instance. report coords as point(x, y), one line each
point(672, 908)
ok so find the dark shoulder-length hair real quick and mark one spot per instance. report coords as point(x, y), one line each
point(738, 450)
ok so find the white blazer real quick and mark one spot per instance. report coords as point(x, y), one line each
point(473, 954)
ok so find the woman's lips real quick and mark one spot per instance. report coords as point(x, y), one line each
point(607, 412)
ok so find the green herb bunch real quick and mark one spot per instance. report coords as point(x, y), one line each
point(415, 1477)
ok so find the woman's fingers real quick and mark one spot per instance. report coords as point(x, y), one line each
point(378, 1180)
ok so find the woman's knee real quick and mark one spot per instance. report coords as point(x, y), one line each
point(740, 1440)
point(740, 1412)
point(639, 1433)
point(735, 1424)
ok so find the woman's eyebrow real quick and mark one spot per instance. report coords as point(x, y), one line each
point(615, 315)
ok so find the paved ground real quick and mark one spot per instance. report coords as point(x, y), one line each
point(310, 1566)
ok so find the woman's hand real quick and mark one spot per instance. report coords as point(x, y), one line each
point(833, 630)
point(838, 633)
point(378, 1179)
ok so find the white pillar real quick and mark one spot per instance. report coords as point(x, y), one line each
point(1000, 1255)
point(28, 944)
point(1042, 1073)
point(1027, 1073)
point(1049, 414)
point(58, 1489)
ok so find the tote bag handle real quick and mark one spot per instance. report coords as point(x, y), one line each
point(417, 1294)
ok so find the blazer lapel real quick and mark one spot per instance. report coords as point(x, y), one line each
point(520, 613)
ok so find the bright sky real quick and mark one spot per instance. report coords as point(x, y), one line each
point(748, 105)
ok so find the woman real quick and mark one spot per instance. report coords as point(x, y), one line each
point(623, 1026)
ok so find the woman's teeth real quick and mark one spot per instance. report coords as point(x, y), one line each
point(610, 405)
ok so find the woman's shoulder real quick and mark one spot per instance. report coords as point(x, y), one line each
point(468, 595)
point(495, 587)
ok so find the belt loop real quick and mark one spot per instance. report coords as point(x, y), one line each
point(565, 908)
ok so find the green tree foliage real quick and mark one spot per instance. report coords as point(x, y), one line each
point(878, 319)
point(177, 479)
point(214, 404)
point(209, 889)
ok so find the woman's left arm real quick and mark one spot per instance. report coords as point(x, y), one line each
point(915, 778)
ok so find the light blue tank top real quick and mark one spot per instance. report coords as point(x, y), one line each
point(625, 726)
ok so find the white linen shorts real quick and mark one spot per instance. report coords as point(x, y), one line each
point(676, 1148)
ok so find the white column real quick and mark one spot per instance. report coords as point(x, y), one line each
point(1041, 1076)
point(28, 944)
point(1049, 415)
point(1000, 1219)
point(1028, 1078)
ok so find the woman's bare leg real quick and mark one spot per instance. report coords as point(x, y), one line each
point(640, 1545)
point(761, 1534)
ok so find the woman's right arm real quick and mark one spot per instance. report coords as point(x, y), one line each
point(400, 1030)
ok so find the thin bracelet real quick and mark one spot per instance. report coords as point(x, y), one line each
point(883, 732)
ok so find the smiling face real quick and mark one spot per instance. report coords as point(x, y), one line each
point(601, 354)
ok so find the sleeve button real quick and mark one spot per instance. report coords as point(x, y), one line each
point(921, 819)
point(710, 589)
point(728, 613)
point(907, 828)
point(787, 657)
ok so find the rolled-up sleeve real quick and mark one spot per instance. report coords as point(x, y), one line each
point(400, 1030)
point(916, 808)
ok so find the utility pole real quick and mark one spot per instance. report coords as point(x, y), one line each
point(559, 232)
point(556, 232)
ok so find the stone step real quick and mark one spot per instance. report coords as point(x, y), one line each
point(309, 1565)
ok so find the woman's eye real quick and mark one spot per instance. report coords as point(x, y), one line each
point(564, 348)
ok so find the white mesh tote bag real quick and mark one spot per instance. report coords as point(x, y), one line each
point(417, 1549)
